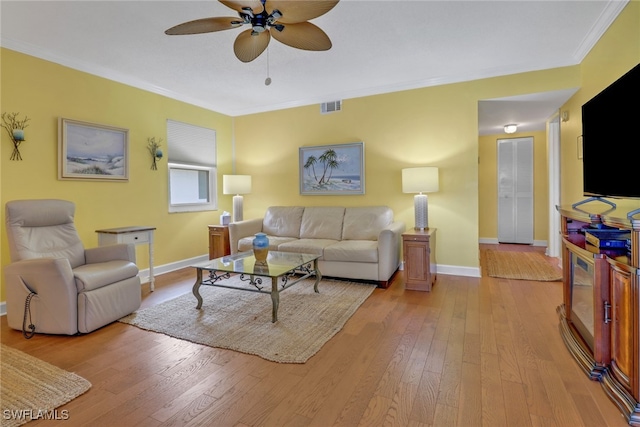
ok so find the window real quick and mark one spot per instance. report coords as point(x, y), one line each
point(192, 171)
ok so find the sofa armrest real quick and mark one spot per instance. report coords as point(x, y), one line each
point(120, 251)
point(55, 307)
point(389, 248)
point(241, 229)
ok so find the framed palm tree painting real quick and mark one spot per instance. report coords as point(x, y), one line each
point(332, 169)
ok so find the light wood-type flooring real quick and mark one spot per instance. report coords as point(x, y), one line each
point(473, 352)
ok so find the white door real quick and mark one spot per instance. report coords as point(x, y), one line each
point(515, 190)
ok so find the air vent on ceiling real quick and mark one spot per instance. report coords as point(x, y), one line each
point(330, 107)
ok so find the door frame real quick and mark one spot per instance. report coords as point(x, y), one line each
point(554, 247)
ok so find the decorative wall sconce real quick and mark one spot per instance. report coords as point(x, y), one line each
point(15, 128)
point(154, 149)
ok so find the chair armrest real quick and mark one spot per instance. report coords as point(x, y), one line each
point(389, 248)
point(55, 308)
point(120, 251)
point(241, 229)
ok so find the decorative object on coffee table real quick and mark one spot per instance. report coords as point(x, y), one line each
point(260, 247)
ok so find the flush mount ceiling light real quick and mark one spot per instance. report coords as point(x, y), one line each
point(510, 128)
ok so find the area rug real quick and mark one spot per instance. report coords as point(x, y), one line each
point(521, 266)
point(241, 321)
point(32, 389)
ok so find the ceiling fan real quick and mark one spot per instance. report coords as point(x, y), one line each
point(285, 20)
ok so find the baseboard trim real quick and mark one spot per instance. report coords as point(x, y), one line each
point(494, 241)
point(453, 270)
point(456, 270)
point(173, 266)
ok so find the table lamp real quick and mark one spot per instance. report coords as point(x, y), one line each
point(236, 184)
point(420, 180)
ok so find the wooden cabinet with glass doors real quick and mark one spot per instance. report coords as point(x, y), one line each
point(600, 313)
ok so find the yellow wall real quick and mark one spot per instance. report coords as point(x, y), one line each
point(430, 126)
point(435, 126)
point(488, 185)
point(615, 53)
point(45, 91)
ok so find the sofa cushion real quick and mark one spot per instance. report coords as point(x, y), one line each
point(322, 222)
point(352, 251)
point(282, 221)
point(366, 223)
point(246, 243)
point(307, 246)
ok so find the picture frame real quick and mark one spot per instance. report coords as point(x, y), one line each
point(332, 169)
point(89, 151)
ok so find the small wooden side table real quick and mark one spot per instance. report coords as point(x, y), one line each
point(134, 234)
point(419, 253)
point(219, 241)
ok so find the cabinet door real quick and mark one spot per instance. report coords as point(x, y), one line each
point(218, 242)
point(624, 342)
point(416, 262)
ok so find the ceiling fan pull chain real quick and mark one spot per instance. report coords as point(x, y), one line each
point(267, 81)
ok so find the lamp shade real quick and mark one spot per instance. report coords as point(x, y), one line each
point(236, 184)
point(420, 180)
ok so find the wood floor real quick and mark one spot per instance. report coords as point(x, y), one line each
point(473, 352)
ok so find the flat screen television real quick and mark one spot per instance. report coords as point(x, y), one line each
point(611, 140)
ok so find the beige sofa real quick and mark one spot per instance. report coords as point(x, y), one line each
point(355, 242)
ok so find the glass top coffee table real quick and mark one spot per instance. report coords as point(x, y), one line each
point(284, 267)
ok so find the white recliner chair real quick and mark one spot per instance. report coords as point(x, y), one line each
point(56, 286)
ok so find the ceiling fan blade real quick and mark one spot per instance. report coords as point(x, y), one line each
point(304, 36)
point(206, 25)
point(248, 47)
point(294, 12)
point(237, 5)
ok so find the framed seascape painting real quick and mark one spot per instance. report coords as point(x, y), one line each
point(332, 169)
point(92, 152)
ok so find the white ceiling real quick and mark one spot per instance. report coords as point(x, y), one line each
point(378, 47)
